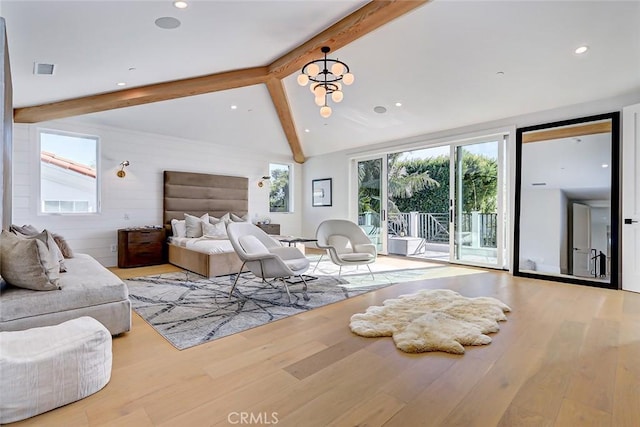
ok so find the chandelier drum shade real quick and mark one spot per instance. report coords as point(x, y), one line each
point(326, 76)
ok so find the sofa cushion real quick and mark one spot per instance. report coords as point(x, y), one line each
point(86, 283)
point(357, 256)
point(27, 263)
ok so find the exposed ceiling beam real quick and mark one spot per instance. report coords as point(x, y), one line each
point(567, 132)
point(281, 104)
point(364, 20)
point(141, 95)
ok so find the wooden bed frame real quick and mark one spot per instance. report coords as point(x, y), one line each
point(197, 194)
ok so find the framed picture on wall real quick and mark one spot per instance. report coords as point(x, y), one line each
point(321, 192)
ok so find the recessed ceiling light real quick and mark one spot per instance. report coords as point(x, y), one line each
point(398, 104)
point(500, 74)
point(234, 107)
point(167, 23)
point(604, 165)
point(581, 50)
point(180, 4)
point(121, 84)
point(307, 130)
point(380, 109)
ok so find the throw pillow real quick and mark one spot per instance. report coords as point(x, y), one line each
point(25, 230)
point(179, 227)
point(63, 245)
point(47, 238)
point(215, 231)
point(194, 224)
point(27, 263)
point(226, 218)
point(243, 218)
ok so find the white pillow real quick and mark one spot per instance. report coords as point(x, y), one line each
point(179, 227)
point(215, 231)
point(194, 224)
point(236, 218)
point(224, 218)
point(252, 245)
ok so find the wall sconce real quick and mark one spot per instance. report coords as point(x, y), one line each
point(262, 180)
point(121, 173)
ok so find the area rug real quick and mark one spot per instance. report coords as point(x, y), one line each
point(188, 309)
point(432, 320)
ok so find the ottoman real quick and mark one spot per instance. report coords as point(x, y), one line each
point(48, 367)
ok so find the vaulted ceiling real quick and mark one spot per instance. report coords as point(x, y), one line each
point(449, 63)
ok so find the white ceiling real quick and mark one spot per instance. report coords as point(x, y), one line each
point(574, 165)
point(439, 60)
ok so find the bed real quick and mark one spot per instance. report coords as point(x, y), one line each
point(198, 194)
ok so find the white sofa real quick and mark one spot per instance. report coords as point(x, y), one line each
point(85, 289)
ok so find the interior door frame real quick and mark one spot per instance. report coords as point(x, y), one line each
point(614, 282)
point(630, 241)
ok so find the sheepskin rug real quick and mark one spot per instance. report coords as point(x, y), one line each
point(432, 320)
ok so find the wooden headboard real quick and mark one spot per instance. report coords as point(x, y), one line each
point(200, 193)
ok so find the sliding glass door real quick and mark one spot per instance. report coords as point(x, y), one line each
point(442, 202)
point(372, 182)
point(476, 204)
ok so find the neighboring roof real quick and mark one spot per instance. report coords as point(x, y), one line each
point(52, 159)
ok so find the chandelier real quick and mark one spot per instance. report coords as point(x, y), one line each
point(326, 77)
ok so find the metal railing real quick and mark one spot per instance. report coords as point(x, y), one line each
point(434, 227)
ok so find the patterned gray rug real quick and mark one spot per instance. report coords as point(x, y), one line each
point(188, 309)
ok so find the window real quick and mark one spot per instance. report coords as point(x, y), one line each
point(68, 173)
point(280, 199)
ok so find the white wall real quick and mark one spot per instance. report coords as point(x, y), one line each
point(336, 165)
point(544, 212)
point(139, 194)
point(599, 223)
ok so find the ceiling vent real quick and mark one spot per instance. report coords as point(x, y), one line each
point(40, 69)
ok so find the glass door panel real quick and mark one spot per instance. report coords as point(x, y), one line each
point(476, 200)
point(371, 215)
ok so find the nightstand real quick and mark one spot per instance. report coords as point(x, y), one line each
point(139, 247)
point(270, 228)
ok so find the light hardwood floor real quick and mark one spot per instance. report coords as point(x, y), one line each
point(567, 356)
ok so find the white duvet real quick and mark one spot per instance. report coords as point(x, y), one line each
point(202, 244)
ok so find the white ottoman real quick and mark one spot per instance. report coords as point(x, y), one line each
point(45, 368)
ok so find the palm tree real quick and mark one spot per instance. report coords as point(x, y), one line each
point(400, 184)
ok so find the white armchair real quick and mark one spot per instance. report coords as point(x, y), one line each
point(265, 257)
point(346, 243)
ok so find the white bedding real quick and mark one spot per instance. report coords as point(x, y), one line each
point(202, 244)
